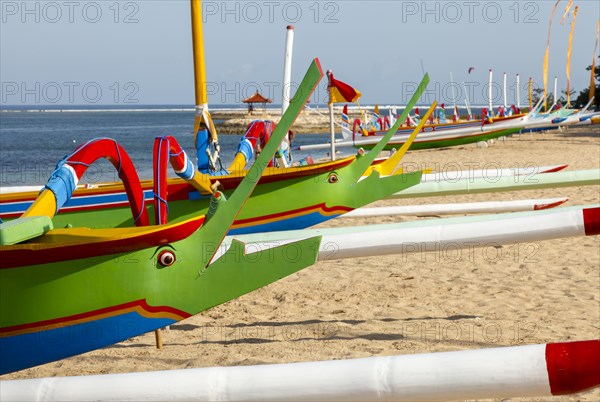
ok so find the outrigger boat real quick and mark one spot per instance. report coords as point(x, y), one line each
point(71, 290)
point(508, 121)
point(453, 135)
point(67, 291)
point(329, 189)
point(432, 137)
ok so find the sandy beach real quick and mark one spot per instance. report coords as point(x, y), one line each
point(415, 303)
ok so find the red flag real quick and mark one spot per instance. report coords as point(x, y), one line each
point(417, 112)
point(341, 92)
point(345, 114)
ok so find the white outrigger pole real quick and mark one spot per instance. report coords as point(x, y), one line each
point(518, 371)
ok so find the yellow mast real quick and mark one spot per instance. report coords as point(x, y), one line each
point(198, 47)
point(202, 114)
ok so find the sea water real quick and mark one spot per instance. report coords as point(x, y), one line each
point(33, 141)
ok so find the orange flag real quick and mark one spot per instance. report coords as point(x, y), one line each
point(592, 79)
point(548, 54)
point(569, 56)
point(562, 20)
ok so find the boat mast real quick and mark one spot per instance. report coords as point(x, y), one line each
point(198, 49)
point(555, 91)
point(518, 92)
point(287, 69)
point(453, 95)
point(504, 92)
point(467, 101)
point(490, 94)
point(331, 126)
point(205, 133)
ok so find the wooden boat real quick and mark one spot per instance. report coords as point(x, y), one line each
point(330, 189)
point(450, 135)
point(70, 290)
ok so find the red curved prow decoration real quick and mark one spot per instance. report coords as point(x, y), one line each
point(573, 366)
point(161, 158)
point(166, 150)
point(357, 123)
point(109, 149)
point(386, 123)
point(258, 133)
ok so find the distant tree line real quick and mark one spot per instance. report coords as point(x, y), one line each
point(584, 95)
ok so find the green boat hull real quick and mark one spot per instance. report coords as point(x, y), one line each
point(450, 142)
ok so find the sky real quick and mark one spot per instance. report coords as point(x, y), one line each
point(130, 53)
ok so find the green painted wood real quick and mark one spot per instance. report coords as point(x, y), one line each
point(222, 220)
point(22, 229)
point(366, 161)
point(452, 142)
point(93, 288)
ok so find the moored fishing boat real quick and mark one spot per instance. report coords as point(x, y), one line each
point(72, 290)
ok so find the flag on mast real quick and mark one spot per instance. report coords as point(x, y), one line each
point(547, 54)
point(341, 92)
point(569, 50)
point(562, 20)
point(592, 78)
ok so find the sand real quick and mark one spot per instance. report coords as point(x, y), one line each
point(522, 294)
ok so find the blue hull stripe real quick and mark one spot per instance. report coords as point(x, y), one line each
point(28, 350)
point(295, 223)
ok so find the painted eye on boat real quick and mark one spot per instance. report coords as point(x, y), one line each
point(166, 258)
point(333, 178)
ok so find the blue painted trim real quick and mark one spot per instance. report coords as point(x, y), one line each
point(28, 350)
